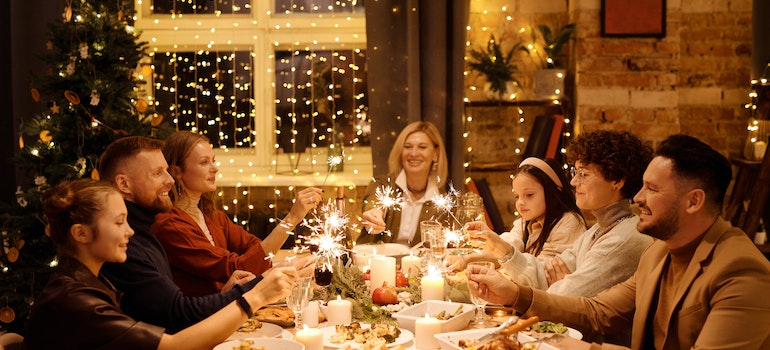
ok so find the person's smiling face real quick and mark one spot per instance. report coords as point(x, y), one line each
point(659, 200)
point(592, 190)
point(110, 232)
point(418, 154)
point(148, 181)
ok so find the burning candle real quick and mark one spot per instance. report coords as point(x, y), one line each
point(383, 270)
point(424, 330)
point(311, 338)
point(410, 265)
point(339, 311)
point(432, 287)
point(310, 314)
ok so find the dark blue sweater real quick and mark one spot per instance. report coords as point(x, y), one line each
point(149, 292)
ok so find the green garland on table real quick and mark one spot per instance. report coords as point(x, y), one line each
point(349, 283)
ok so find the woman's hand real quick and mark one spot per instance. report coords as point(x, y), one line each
point(482, 237)
point(304, 201)
point(457, 263)
point(276, 283)
point(373, 221)
point(238, 277)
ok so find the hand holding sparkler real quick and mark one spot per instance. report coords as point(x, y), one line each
point(387, 198)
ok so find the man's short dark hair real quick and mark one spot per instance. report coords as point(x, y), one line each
point(696, 161)
point(120, 150)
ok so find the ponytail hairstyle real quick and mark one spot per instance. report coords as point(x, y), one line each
point(559, 198)
point(70, 203)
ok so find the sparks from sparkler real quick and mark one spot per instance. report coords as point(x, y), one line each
point(327, 231)
point(333, 161)
point(388, 198)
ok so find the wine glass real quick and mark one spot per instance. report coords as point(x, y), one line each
point(426, 228)
point(481, 320)
point(323, 273)
point(438, 244)
point(298, 299)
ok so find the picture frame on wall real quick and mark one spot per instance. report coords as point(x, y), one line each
point(638, 18)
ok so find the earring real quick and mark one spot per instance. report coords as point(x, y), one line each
point(434, 167)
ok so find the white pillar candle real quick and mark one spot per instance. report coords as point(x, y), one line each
point(339, 312)
point(424, 330)
point(311, 338)
point(410, 265)
point(432, 287)
point(310, 314)
point(383, 270)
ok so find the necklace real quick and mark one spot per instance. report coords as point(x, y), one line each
point(615, 223)
point(416, 191)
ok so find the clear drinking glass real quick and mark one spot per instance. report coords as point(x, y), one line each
point(426, 227)
point(481, 320)
point(438, 244)
point(298, 299)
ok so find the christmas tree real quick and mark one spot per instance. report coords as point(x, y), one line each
point(92, 96)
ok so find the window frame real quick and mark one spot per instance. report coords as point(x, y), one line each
point(263, 33)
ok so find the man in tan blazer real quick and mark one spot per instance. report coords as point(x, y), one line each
point(701, 285)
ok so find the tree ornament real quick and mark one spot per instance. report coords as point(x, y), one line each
point(45, 136)
point(94, 175)
point(67, 15)
point(94, 98)
point(141, 105)
point(21, 142)
point(7, 315)
point(157, 121)
point(71, 66)
point(49, 45)
point(55, 107)
point(12, 254)
point(72, 97)
point(35, 95)
point(83, 50)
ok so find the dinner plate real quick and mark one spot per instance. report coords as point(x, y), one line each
point(449, 341)
point(268, 330)
point(403, 338)
point(572, 332)
point(267, 343)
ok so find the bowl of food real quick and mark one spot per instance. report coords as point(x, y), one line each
point(452, 316)
point(468, 339)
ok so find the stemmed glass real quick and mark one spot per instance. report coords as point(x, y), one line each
point(438, 244)
point(323, 275)
point(481, 320)
point(298, 299)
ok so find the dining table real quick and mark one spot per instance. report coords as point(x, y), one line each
point(497, 313)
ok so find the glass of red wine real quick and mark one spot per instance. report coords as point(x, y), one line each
point(324, 271)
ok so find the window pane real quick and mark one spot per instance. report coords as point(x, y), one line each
point(321, 99)
point(208, 91)
point(202, 6)
point(318, 6)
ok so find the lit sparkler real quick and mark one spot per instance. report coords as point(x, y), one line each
point(388, 197)
point(327, 231)
point(333, 161)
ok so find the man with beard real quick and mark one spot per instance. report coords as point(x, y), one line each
point(702, 284)
point(136, 166)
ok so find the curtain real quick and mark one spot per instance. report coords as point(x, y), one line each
point(415, 68)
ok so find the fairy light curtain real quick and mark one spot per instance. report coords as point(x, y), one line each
point(416, 73)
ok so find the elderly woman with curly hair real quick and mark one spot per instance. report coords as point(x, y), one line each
point(607, 172)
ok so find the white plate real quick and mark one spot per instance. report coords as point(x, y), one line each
point(268, 330)
point(448, 341)
point(403, 338)
point(268, 343)
point(572, 332)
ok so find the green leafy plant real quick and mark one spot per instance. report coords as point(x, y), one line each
point(554, 42)
point(496, 66)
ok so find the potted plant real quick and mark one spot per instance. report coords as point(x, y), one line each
point(549, 80)
point(496, 66)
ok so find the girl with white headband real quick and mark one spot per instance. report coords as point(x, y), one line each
point(549, 220)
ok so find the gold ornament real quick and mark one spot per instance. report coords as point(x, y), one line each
point(157, 121)
point(72, 97)
point(35, 95)
point(141, 105)
point(12, 254)
point(67, 13)
point(7, 315)
point(21, 142)
point(95, 175)
point(45, 136)
point(19, 243)
point(55, 107)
